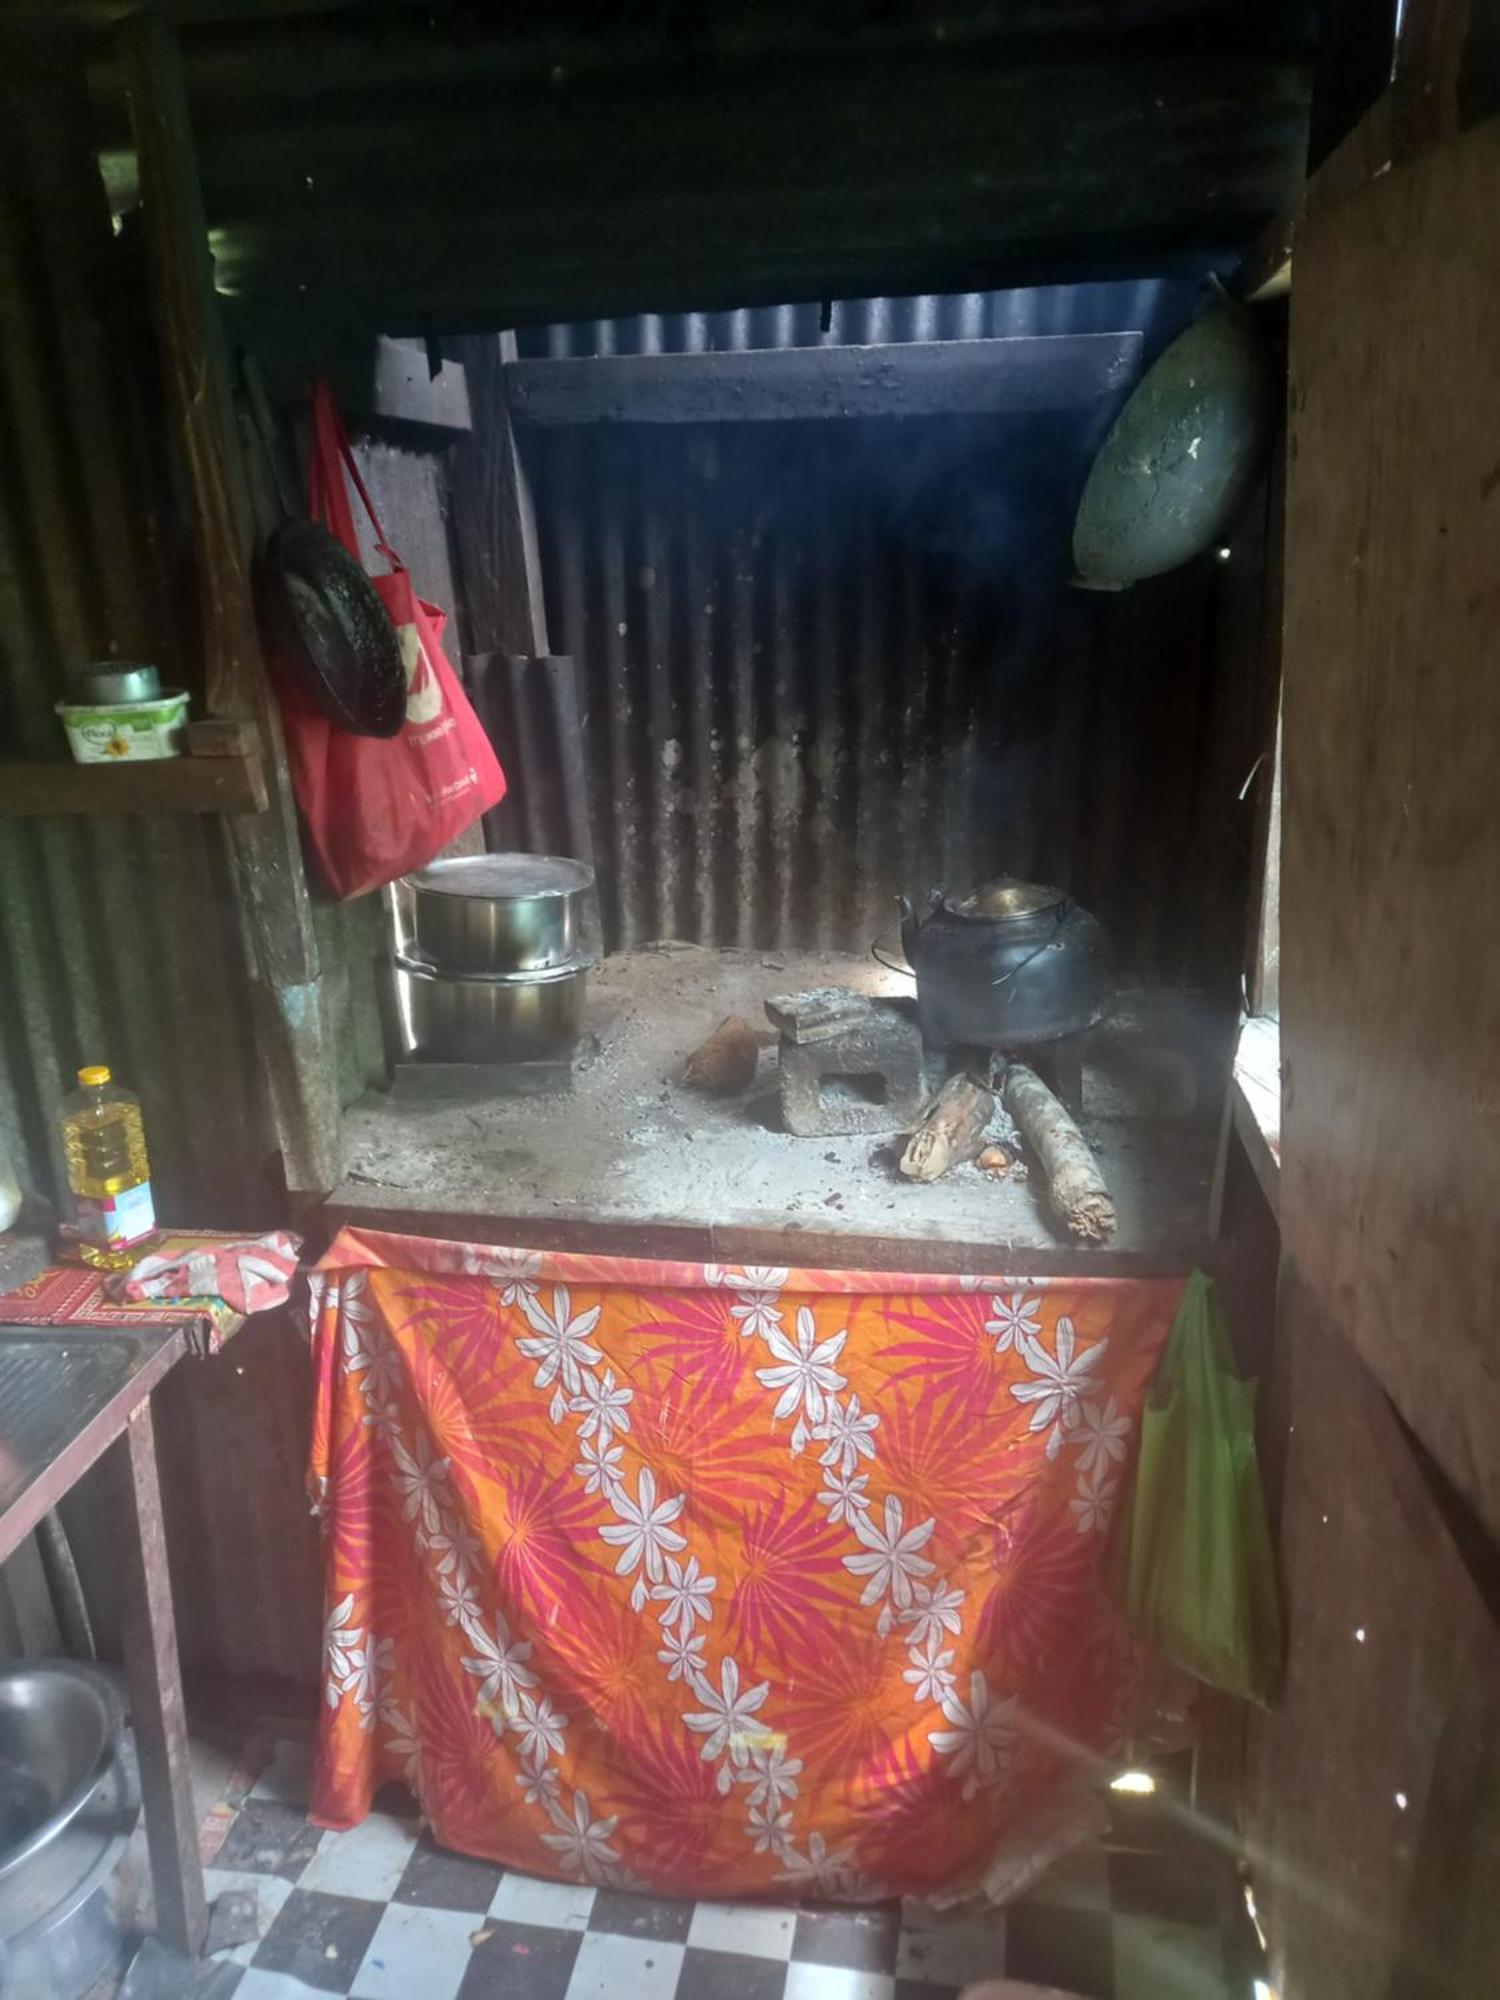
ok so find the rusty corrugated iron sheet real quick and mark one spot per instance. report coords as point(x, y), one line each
point(825, 664)
point(119, 937)
point(468, 168)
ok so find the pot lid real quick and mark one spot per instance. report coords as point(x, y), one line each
point(420, 966)
point(504, 875)
point(1003, 898)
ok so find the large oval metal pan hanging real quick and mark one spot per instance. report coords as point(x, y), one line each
point(1182, 455)
point(331, 633)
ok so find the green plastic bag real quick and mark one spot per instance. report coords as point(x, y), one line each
point(1191, 1563)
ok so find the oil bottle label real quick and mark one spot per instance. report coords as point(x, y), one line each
point(116, 1220)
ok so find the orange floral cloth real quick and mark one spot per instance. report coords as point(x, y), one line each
point(723, 1581)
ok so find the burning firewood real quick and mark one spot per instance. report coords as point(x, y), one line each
point(1075, 1185)
point(951, 1130)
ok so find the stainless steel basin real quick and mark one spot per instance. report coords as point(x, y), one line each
point(59, 1727)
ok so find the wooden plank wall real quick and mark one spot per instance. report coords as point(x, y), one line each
point(1391, 851)
point(1373, 1795)
point(1373, 1789)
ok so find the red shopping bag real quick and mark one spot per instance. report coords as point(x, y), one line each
point(378, 807)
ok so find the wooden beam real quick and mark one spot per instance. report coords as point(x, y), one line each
point(299, 1066)
point(157, 1712)
point(170, 785)
point(950, 378)
point(1447, 73)
point(494, 522)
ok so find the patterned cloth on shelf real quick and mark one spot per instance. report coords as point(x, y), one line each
point(250, 1274)
point(75, 1295)
point(724, 1581)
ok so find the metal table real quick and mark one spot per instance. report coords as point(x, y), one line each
point(69, 1397)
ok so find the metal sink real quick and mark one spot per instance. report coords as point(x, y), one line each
point(53, 1382)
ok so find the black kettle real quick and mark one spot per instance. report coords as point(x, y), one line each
point(1008, 966)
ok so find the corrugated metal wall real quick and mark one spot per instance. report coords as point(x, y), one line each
point(120, 937)
point(829, 663)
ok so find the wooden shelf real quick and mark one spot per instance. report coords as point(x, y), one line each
point(163, 785)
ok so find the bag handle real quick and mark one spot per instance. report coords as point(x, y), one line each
point(332, 457)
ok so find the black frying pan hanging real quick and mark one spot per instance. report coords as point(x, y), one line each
point(323, 621)
point(331, 634)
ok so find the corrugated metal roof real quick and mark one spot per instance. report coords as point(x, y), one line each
point(441, 166)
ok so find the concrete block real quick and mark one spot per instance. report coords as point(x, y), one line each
point(870, 1079)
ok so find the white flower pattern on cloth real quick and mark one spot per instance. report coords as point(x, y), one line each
point(844, 1498)
point(722, 1721)
point(604, 1406)
point(1101, 1435)
point(805, 1375)
point(1063, 1379)
point(499, 1665)
point(1095, 1505)
point(561, 1345)
point(1012, 1318)
point(516, 1273)
point(685, 1594)
point(848, 1435)
point(344, 1652)
point(930, 1673)
point(759, 1308)
point(348, 1297)
point(453, 1548)
point(982, 1737)
point(458, 1598)
point(682, 1656)
point(934, 1609)
point(772, 1777)
point(538, 1727)
point(771, 1831)
point(423, 1481)
point(891, 1560)
point(539, 1783)
point(582, 1842)
point(598, 1468)
point(644, 1532)
point(831, 1874)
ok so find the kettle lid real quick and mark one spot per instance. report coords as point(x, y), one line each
point(1003, 898)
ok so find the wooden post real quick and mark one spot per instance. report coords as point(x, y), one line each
point(301, 1074)
point(157, 1713)
point(494, 523)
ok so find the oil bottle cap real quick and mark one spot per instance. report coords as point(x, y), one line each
point(95, 1073)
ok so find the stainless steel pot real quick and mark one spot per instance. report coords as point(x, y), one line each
point(110, 681)
point(495, 1017)
point(501, 913)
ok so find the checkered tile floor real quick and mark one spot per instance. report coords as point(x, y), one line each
point(380, 1913)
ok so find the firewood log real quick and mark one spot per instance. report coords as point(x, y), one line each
point(951, 1130)
point(1075, 1185)
point(724, 1065)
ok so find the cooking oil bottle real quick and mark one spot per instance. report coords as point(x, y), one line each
point(108, 1172)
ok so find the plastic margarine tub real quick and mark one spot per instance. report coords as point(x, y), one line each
point(125, 731)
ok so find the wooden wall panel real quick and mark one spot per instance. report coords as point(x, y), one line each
point(1391, 849)
point(1373, 1794)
